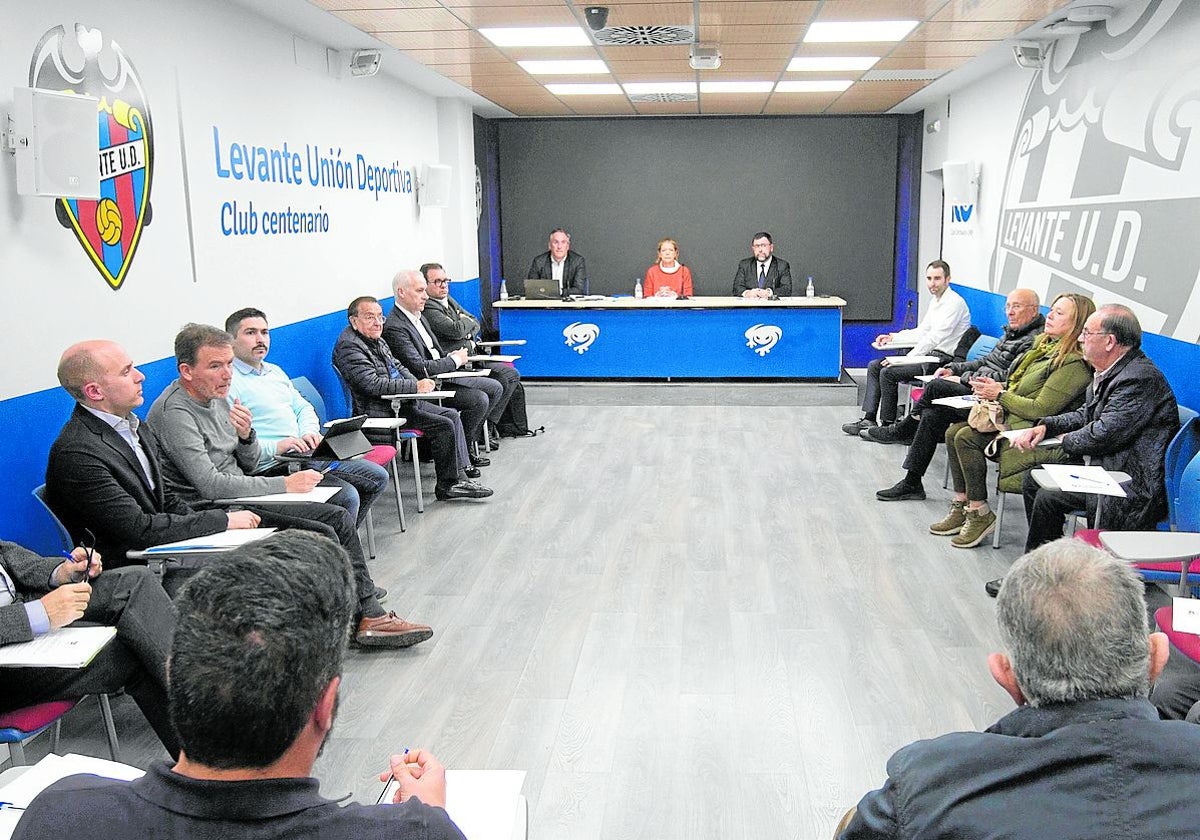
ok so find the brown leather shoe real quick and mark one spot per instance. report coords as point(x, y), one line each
point(390, 631)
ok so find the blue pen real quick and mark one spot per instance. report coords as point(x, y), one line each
point(331, 468)
point(1089, 480)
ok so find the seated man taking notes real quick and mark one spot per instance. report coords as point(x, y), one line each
point(40, 594)
point(209, 447)
point(105, 469)
point(256, 665)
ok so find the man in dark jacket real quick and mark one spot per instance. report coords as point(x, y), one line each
point(1128, 417)
point(42, 594)
point(562, 264)
point(926, 426)
point(372, 374)
point(1085, 754)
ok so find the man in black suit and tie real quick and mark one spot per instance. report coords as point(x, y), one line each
point(562, 264)
point(762, 275)
point(104, 471)
point(412, 342)
point(41, 594)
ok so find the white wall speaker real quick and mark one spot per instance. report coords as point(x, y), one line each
point(433, 188)
point(57, 140)
point(960, 181)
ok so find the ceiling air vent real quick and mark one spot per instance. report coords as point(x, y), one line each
point(902, 75)
point(662, 97)
point(647, 36)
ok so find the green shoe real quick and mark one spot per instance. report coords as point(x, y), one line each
point(953, 522)
point(978, 528)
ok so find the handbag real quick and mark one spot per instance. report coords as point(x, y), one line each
point(987, 416)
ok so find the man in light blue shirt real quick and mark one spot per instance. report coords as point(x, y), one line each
point(283, 420)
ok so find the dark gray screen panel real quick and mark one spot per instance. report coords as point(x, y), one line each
point(824, 187)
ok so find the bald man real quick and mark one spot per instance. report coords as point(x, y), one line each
point(104, 474)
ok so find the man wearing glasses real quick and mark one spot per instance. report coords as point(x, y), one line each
point(1128, 417)
point(40, 594)
point(458, 329)
point(925, 427)
point(411, 340)
point(369, 369)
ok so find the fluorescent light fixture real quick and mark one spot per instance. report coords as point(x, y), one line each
point(736, 87)
point(824, 63)
point(536, 36)
point(564, 67)
point(815, 86)
point(584, 89)
point(637, 88)
point(859, 30)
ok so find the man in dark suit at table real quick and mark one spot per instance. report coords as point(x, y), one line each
point(412, 342)
point(104, 472)
point(458, 329)
point(762, 275)
point(562, 264)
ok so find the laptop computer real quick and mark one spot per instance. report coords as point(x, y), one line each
point(542, 290)
point(343, 440)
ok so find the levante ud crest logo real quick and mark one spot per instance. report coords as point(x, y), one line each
point(109, 229)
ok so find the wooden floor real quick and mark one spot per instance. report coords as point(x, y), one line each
point(684, 621)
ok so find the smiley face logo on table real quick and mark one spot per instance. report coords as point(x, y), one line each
point(762, 337)
point(580, 336)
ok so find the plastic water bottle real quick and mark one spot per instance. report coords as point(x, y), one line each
point(503, 290)
point(810, 290)
point(637, 288)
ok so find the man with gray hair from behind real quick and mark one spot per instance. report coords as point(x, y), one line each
point(1084, 755)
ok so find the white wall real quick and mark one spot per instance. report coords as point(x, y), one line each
point(1095, 153)
point(206, 65)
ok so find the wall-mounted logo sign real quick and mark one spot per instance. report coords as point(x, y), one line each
point(580, 336)
point(762, 337)
point(110, 229)
point(961, 213)
point(1101, 195)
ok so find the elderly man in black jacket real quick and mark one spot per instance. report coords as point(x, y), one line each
point(1128, 417)
point(372, 374)
point(40, 594)
point(926, 426)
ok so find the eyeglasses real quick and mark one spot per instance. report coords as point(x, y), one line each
point(445, 281)
point(1090, 333)
point(1009, 307)
point(372, 318)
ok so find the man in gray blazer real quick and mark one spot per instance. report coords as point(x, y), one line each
point(40, 594)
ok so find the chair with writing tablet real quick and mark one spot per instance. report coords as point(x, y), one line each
point(21, 725)
point(381, 454)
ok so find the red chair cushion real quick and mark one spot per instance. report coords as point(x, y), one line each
point(1091, 536)
point(33, 718)
point(381, 455)
point(1187, 643)
point(1165, 566)
point(915, 395)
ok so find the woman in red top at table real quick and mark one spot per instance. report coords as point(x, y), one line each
point(668, 278)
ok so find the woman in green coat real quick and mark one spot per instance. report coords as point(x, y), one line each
point(1049, 379)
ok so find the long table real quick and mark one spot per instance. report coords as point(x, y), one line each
point(657, 338)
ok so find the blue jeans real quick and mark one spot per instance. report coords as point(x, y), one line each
point(361, 481)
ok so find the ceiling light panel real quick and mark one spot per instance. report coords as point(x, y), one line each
point(584, 89)
point(564, 67)
point(851, 31)
point(736, 87)
point(536, 36)
point(813, 86)
point(832, 63)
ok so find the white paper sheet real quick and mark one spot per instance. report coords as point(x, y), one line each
point(67, 647)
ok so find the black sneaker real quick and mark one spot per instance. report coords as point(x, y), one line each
point(992, 587)
point(857, 426)
point(902, 491)
point(902, 432)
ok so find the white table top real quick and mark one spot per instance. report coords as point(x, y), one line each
point(728, 302)
point(1151, 546)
